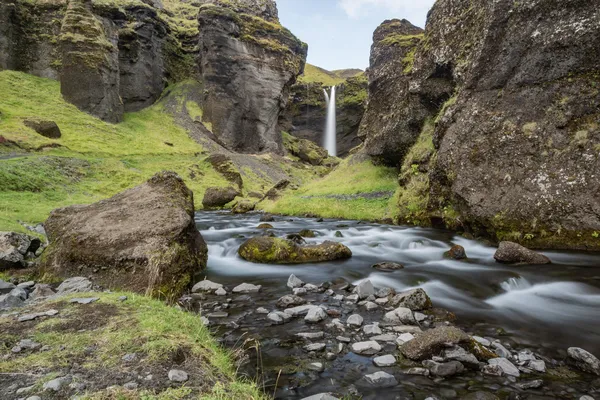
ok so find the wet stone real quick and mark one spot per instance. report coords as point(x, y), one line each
point(354, 320)
point(366, 348)
point(311, 335)
point(384, 361)
point(385, 338)
point(538, 383)
point(537, 365)
point(507, 367)
point(343, 339)
point(247, 288)
point(372, 329)
point(371, 306)
point(381, 379)
point(315, 314)
point(262, 310)
point(315, 347)
point(482, 341)
point(365, 289)
point(294, 282)
point(444, 369)
point(290, 301)
point(318, 367)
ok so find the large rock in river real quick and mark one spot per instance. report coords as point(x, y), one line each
point(218, 196)
point(513, 253)
point(268, 250)
point(143, 239)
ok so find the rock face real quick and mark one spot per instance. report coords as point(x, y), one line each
point(306, 113)
point(143, 239)
point(270, 250)
point(504, 107)
point(248, 62)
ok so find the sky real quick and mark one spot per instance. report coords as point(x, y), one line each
point(339, 33)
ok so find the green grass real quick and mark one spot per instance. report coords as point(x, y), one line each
point(348, 178)
point(97, 159)
point(141, 325)
point(313, 74)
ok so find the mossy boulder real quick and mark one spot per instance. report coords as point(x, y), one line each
point(143, 240)
point(45, 128)
point(269, 250)
point(513, 253)
point(432, 341)
point(243, 207)
point(215, 197)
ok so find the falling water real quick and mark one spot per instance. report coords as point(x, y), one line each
point(330, 127)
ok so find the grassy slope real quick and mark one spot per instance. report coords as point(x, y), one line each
point(313, 74)
point(155, 332)
point(98, 159)
point(350, 177)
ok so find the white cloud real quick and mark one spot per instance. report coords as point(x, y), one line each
point(358, 8)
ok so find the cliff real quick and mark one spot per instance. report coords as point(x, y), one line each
point(493, 116)
point(115, 57)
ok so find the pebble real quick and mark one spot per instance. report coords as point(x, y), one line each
point(131, 385)
point(206, 286)
point(382, 301)
point(316, 367)
point(403, 338)
point(354, 320)
point(531, 384)
point(343, 339)
point(294, 282)
point(372, 329)
point(366, 348)
point(381, 379)
point(278, 317)
point(507, 367)
point(315, 347)
point(385, 338)
point(177, 375)
point(311, 335)
point(247, 288)
point(56, 384)
point(84, 300)
point(384, 361)
point(221, 292)
point(262, 310)
point(315, 314)
point(400, 315)
point(444, 369)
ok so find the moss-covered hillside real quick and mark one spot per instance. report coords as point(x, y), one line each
point(95, 160)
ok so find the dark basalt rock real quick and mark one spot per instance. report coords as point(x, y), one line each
point(513, 253)
point(456, 252)
point(143, 239)
point(47, 129)
point(283, 251)
point(248, 63)
point(218, 196)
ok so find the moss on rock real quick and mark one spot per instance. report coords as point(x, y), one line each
point(271, 250)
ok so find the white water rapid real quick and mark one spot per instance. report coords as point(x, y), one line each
point(330, 127)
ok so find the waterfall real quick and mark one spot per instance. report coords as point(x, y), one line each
point(330, 127)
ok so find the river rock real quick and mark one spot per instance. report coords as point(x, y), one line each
point(480, 396)
point(364, 289)
point(206, 286)
point(535, 384)
point(290, 300)
point(417, 371)
point(507, 367)
point(311, 335)
point(389, 338)
point(243, 207)
point(492, 370)
point(321, 396)
point(299, 310)
point(294, 282)
point(456, 252)
point(415, 300)
point(513, 253)
point(537, 365)
point(370, 306)
point(76, 284)
point(247, 288)
point(215, 197)
point(444, 369)
point(387, 266)
point(354, 320)
point(366, 348)
point(315, 314)
point(278, 317)
point(381, 379)
point(177, 375)
point(14, 247)
point(8, 301)
point(315, 347)
point(482, 341)
point(270, 250)
point(400, 315)
point(457, 353)
point(584, 360)
point(143, 239)
point(432, 341)
point(384, 361)
point(404, 337)
point(19, 292)
point(372, 329)
point(317, 367)
point(501, 350)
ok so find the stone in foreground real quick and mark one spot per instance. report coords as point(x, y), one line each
point(270, 250)
point(513, 253)
point(432, 341)
point(584, 360)
point(177, 375)
point(381, 379)
point(143, 239)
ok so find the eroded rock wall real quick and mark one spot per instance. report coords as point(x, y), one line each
point(248, 63)
point(509, 96)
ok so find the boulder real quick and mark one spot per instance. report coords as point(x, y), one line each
point(307, 233)
point(206, 286)
point(225, 166)
point(243, 207)
point(275, 191)
point(432, 341)
point(215, 197)
point(264, 226)
point(584, 360)
point(513, 253)
point(267, 218)
point(270, 250)
point(456, 252)
point(14, 248)
point(45, 128)
point(305, 150)
point(387, 266)
point(414, 300)
point(143, 239)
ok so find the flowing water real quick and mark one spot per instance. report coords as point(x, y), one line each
point(330, 142)
point(549, 307)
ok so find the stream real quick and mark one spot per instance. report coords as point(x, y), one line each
point(545, 308)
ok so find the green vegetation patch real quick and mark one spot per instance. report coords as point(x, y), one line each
point(313, 74)
point(96, 336)
point(350, 191)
